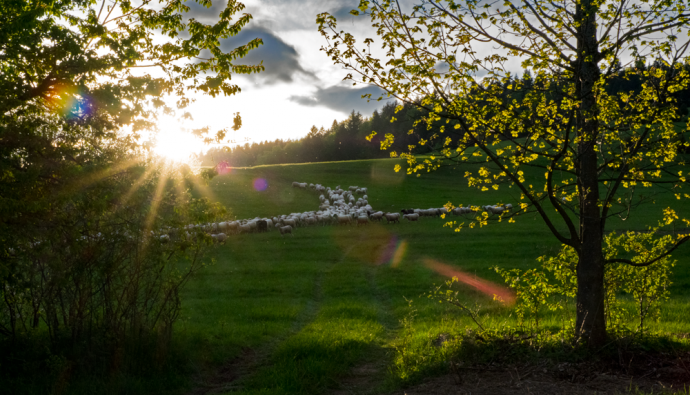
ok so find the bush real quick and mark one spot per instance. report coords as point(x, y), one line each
point(94, 286)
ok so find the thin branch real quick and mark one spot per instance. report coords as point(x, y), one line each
point(631, 263)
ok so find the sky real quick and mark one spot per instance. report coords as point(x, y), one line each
point(300, 86)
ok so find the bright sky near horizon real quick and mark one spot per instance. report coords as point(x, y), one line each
point(299, 88)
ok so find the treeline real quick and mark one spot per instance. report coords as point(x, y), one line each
point(347, 140)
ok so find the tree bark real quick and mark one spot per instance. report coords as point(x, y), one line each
point(590, 320)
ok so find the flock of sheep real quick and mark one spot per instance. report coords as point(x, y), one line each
point(336, 207)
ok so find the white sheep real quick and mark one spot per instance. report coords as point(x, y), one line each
point(343, 219)
point(494, 209)
point(377, 216)
point(286, 229)
point(362, 220)
point(392, 217)
point(412, 217)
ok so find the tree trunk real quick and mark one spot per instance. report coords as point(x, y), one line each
point(590, 322)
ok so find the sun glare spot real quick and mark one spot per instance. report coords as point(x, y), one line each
point(176, 145)
point(260, 184)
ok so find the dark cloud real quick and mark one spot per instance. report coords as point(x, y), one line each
point(205, 14)
point(281, 60)
point(343, 99)
point(342, 14)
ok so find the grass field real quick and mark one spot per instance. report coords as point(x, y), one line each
point(296, 313)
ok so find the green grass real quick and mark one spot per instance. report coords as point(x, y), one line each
point(316, 304)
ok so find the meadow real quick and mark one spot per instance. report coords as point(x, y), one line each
point(294, 315)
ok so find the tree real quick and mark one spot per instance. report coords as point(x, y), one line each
point(596, 149)
point(81, 206)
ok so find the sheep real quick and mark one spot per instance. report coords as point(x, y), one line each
point(343, 219)
point(221, 237)
point(290, 222)
point(262, 226)
point(461, 210)
point(303, 185)
point(295, 184)
point(494, 209)
point(269, 224)
point(377, 216)
point(429, 213)
point(245, 229)
point(362, 220)
point(365, 197)
point(508, 206)
point(286, 229)
point(411, 217)
point(164, 239)
point(392, 217)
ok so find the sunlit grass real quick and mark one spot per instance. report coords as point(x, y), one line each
point(320, 302)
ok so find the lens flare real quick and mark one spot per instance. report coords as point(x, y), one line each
point(486, 287)
point(260, 184)
point(72, 102)
point(394, 252)
point(223, 167)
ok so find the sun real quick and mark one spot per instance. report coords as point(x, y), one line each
point(176, 145)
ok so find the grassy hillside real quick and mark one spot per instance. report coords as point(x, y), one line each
point(298, 312)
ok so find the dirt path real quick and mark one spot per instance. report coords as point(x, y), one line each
point(536, 381)
point(367, 377)
point(229, 376)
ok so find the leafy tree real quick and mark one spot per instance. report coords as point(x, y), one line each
point(81, 208)
point(597, 149)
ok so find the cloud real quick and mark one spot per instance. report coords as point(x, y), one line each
point(281, 60)
point(342, 14)
point(343, 99)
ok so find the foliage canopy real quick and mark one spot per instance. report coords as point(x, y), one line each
point(603, 149)
point(90, 227)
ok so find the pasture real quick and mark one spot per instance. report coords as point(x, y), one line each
point(289, 315)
